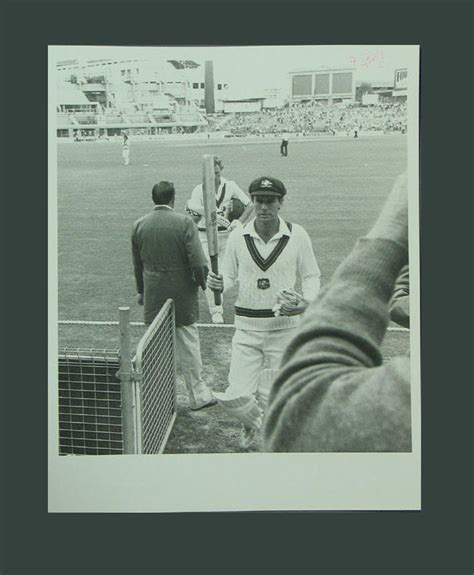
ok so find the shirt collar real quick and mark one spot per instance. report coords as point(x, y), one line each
point(163, 206)
point(249, 230)
point(223, 181)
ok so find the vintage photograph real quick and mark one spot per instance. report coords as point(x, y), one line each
point(231, 250)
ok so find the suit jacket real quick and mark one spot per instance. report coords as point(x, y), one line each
point(168, 262)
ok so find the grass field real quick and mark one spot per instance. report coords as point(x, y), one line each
point(335, 190)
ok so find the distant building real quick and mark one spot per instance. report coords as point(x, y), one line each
point(140, 84)
point(242, 105)
point(273, 98)
point(383, 91)
point(400, 84)
point(326, 85)
point(370, 93)
point(148, 97)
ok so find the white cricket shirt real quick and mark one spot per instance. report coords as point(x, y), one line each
point(227, 190)
point(262, 270)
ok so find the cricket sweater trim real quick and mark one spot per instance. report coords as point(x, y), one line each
point(264, 264)
point(246, 312)
point(221, 197)
point(219, 229)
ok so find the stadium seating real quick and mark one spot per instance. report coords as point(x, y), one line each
point(311, 118)
point(65, 119)
point(315, 118)
point(84, 118)
point(113, 118)
point(138, 118)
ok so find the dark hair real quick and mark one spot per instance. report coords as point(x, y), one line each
point(162, 193)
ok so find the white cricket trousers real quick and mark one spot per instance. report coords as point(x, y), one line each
point(252, 353)
point(189, 363)
point(222, 238)
point(126, 156)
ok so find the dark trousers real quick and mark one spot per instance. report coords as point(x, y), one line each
point(284, 148)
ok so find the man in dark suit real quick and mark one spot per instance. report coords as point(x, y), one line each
point(168, 263)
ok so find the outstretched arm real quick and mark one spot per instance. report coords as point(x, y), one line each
point(333, 393)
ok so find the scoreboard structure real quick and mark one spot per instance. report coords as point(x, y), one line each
point(400, 84)
point(327, 85)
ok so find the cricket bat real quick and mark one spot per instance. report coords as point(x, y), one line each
point(210, 215)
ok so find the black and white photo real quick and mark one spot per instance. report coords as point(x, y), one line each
point(234, 275)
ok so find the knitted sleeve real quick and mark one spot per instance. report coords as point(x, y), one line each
point(333, 393)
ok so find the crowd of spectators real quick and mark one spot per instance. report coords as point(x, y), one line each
point(301, 119)
point(305, 118)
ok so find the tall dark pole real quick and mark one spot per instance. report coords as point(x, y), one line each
point(209, 87)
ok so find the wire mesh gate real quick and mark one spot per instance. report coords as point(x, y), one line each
point(155, 374)
point(109, 404)
point(89, 401)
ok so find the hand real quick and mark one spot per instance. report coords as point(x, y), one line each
point(215, 281)
point(139, 298)
point(222, 222)
point(293, 309)
point(290, 302)
point(194, 210)
point(392, 223)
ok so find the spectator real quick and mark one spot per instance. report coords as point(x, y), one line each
point(316, 116)
point(175, 272)
point(333, 393)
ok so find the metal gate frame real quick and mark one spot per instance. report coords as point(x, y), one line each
point(130, 381)
point(166, 314)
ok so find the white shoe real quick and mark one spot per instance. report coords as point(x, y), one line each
point(209, 403)
point(217, 317)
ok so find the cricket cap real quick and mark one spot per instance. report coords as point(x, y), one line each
point(266, 186)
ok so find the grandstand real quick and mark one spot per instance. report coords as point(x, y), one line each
point(316, 118)
point(99, 99)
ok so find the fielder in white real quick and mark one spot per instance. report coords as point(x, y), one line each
point(226, 191)
point(125, 149)
point(265, 257)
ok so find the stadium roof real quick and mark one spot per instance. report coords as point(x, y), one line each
point(318, 69)
point(252, 99)
point(66, 62)
point(67, 93)
point(183, 64)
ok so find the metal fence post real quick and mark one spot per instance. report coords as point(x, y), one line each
point(126, 379)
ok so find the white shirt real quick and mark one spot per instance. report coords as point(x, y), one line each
point(223, 197)
point(263, 269)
